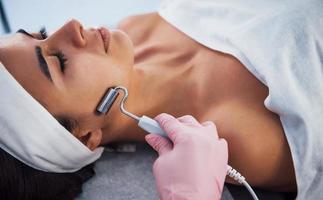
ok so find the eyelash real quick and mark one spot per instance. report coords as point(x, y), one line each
point(59, 54)
point(43, 33)
point(62, 60)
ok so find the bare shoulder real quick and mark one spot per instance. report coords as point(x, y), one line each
point(257, 145)
point(135, 20)
point(138, 27)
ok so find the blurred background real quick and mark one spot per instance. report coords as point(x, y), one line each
point(33, 14)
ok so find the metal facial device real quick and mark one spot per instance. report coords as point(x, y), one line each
point(144, 122)
point(151, 126)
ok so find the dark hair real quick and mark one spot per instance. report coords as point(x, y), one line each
point(67, 122)
point(21, 182)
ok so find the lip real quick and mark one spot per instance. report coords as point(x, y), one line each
point(105, 35)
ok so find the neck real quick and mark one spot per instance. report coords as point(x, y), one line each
point(153, 91)
point(146, 97)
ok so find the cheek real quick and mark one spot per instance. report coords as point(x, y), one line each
point(122, 48)
point(100, 70)
point(87, 81)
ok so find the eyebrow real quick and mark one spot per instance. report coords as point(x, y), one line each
point(25, 33)
point(43, 66)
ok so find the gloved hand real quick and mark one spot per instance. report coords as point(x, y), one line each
point(193, 163)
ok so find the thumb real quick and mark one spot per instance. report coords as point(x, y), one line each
point(160, 144)
point(170, 125)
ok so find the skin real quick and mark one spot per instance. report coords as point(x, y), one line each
point(164, 71)
point(74, 93)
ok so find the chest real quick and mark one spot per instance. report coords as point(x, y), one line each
point(174, 59)
point(210, 85)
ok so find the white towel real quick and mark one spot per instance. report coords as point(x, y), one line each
point(32, 135)
point(281, 43)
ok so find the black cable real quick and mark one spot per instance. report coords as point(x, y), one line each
point(4, 19)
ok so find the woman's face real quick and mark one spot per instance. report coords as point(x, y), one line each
point(69, 71)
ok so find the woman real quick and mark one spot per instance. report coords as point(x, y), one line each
point(166, 70)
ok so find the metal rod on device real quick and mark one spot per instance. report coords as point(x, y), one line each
point(144, 122)
point(110, 97)
point(124, 98)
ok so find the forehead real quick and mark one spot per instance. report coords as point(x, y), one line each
point(17, 53)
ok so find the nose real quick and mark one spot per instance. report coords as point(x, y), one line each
point(74, 30)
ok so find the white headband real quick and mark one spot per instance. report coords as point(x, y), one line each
point(32, 135)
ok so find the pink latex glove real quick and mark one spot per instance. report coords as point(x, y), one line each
point(193, 163)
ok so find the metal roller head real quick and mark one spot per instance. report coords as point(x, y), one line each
point(107, 101)
point(110, 97)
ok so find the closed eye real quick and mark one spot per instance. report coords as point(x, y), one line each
point(62, 60)
point(42, 35)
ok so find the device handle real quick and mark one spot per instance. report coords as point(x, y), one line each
point(151, 126)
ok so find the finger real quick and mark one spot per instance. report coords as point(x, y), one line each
point(160, 144)
point(188, 119)
point(170, 125)
point(208, 123)
point(212, 127)
point(224, 145)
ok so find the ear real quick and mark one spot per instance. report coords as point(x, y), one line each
point(91, 139)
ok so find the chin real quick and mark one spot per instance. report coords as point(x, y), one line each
point(125, 46)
